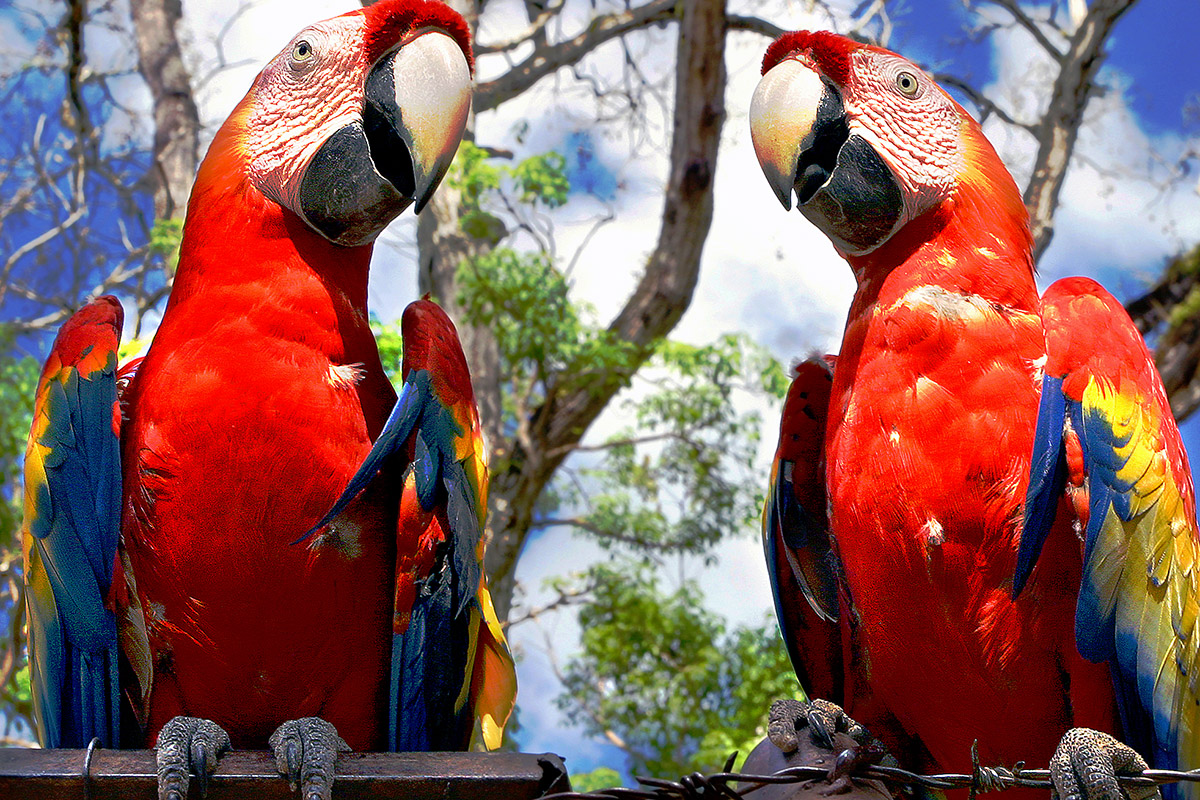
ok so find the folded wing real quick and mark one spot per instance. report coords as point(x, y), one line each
point(70, 533)
point(453, 677)
point(799, 550)
point(1105, 428)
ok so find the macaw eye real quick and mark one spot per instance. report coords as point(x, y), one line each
point(302, 51)
point(906, 82)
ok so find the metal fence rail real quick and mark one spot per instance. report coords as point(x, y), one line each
point(120, 774)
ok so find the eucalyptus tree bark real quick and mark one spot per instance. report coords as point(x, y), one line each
point(176, 120)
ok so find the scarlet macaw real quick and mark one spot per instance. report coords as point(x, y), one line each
point(973, 430)
point(178, 561)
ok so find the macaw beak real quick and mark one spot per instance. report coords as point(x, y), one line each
point(419, 95)
point(802, 137)
point(416, 101)
point(790, 107)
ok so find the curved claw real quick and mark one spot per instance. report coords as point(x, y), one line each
point(822, 718)
point(305, 752)
point(1086, 765)
point(187, 746)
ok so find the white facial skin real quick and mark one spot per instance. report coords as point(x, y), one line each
point(910, 122)
point(302, 97)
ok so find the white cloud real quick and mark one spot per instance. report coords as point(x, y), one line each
point(1118, 212)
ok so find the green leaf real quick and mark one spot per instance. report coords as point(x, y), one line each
point(597, 780)
point(665, 676)
point(165, 238)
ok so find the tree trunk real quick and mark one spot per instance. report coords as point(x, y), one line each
point(1059, 128)
point(658, 302)
point(176, 121)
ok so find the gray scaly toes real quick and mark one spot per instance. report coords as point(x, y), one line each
point(1086, 765)
point(305, 752)
point(822, 718)
point(187, 745)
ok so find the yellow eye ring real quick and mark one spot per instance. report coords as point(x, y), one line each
point(302, 51)
point(907, 84)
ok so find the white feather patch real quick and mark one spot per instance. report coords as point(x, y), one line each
point(345, 376)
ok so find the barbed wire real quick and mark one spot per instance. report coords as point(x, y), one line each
point(698, 786)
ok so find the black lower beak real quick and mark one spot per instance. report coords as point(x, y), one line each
point(342, 194)
point(842, 184)
point(830, 132)
point(381, 118)
point(858, 204)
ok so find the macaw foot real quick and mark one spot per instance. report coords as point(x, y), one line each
point(1086, 765)
point(305, 752)
point(823, 720)
point(187, 745)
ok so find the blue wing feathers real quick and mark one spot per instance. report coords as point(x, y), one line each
point(428, 664)
point(460, 510)
point(1048, 474)
point(430, 659)
point(408, 726)
point(400, 423)
point(75, 525)
point(427, 468)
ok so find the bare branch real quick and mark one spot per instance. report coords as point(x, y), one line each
point(546, 60)
point(611, 443)
point(534, 33)
point(176, 120)
point(608, 732)
point(1029, 24)
point(986, 105)
point(566, 597)
point(661, 297)
point(763, 27)
point(1059, 127)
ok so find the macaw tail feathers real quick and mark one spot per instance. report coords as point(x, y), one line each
point(494, 686)
point(429, 662)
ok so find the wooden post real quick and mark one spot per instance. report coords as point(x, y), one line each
point(121, 774)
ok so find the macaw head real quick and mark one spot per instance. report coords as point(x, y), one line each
point(866, 140)
point(357, 118)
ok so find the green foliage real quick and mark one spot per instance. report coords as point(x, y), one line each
point(539, 179)
point(683, 476)
point(1182, 271)
point(597, 780)
point(667, 677)
point(16, 699)
point(18, 381)
point(165, 238)
point(391, 348)
point(657, 671)
point(542, 179)
point(474, 175)
point(544, 338)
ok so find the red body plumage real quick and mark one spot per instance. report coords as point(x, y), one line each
point(260, 396)
point(251, 344)
point(931, 428)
